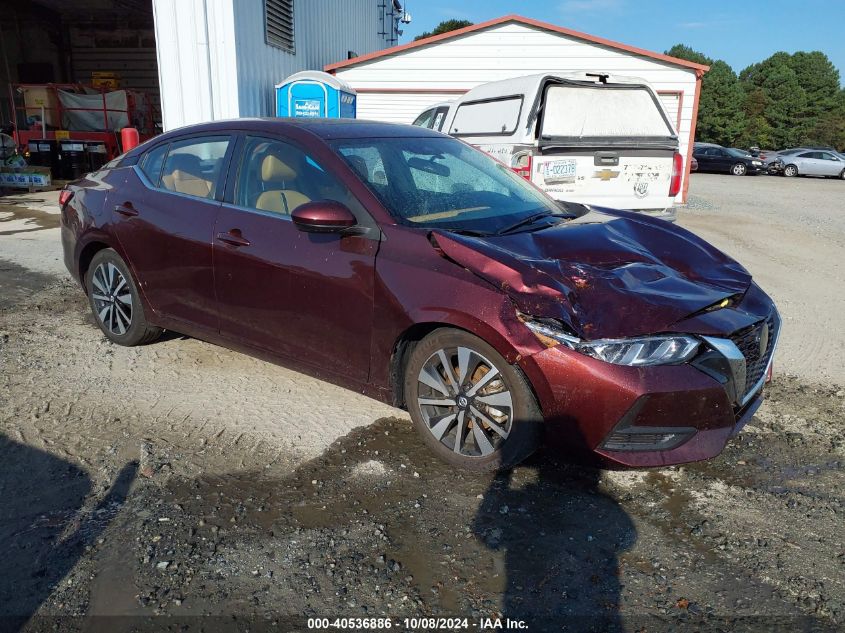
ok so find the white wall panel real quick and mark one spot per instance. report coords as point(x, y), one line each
point(397, 107)
point(195, 45)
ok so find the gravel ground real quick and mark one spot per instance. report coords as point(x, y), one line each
point(790, 234)
point(181, 479)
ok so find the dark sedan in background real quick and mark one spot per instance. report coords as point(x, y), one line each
point(726, 160)
point(409, 266)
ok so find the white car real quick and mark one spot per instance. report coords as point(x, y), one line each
point(584, 137)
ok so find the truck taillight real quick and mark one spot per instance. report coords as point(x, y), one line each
point(521, 164)
point(677, 175)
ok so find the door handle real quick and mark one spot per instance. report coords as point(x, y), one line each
point(126, 209)
point(233, 238)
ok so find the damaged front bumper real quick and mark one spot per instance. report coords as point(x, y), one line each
point(656, 415)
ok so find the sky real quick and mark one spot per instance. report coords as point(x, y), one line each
point(740, 33)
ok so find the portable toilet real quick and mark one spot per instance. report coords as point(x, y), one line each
point(313, 94)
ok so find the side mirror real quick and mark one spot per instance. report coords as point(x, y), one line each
point(323, 216)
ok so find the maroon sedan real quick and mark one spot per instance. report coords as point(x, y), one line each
point(413, 268)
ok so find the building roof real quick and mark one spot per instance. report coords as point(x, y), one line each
point(600, 41)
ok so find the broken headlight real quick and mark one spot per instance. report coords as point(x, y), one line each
point(642, 351)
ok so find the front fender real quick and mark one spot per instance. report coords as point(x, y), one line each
point(416, 286)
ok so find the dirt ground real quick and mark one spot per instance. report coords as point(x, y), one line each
point(181, 479)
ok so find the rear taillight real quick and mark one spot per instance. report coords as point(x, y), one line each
point(64, 197)
point(677, 175)
point(521, 164)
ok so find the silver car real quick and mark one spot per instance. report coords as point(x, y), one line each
point(814, 163)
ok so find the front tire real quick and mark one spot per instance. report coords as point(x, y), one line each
point(790, 171)
point(472, 408)
point(115, 301)
point(739, 169)
point(842, 175)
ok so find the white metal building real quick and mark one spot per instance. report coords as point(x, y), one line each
point(398, 83)
point(220, 59)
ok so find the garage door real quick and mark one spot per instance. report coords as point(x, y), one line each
point(397, 107)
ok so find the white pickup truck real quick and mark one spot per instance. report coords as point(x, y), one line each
point(587, 137)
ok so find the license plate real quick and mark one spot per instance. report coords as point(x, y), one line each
point(558, 170)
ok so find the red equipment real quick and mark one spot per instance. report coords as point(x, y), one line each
point(107, 136)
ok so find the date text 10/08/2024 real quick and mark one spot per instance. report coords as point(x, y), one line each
point(426, 624)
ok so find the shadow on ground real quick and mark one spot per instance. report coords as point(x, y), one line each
point(45, 524)
point(560, 537)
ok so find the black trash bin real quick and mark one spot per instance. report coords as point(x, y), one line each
point(45, 153)
point(74, 161)
point(96, 154)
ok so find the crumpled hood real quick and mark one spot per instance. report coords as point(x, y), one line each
point(607, 274)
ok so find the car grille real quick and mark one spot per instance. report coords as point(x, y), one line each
point(748, 341)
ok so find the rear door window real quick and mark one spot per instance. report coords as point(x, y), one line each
point(490, 117)
point(193, 166)
point(152, 162)
point(602, 111)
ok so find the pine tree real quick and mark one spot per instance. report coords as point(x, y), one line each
point(721, 114)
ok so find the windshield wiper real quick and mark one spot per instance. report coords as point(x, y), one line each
point(527, 220)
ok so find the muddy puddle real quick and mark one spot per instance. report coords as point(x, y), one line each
point(15, 219)
point(377, 525)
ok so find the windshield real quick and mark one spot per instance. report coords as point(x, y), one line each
point(444, 183)
point(736, 152)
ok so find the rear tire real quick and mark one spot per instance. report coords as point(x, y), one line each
point(116, 302)
point(466, 418)
point(790, 171)
point(739, 169)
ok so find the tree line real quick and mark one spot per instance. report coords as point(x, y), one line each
point(787, 100)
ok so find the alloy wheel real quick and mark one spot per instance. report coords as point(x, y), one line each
point(112, 298)
point(790, 170)
point(739, 169)
point(464, 401)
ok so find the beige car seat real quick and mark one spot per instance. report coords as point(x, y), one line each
point(186, 176)
point(274, 171)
